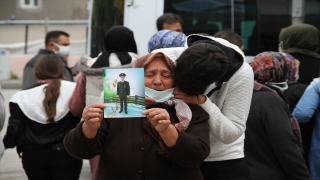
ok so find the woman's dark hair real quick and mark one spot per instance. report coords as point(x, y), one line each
point(199, 66)
point(50, 67)
point(230, 36)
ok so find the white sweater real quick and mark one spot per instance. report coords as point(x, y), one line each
point(228, 109)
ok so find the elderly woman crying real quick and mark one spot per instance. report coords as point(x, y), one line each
point(169, 143)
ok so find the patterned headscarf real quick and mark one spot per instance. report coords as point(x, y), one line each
point(166, 39)
point(271, 68)
point(294, 68)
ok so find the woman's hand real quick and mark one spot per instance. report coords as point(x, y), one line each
point(149, 101)
point(92, 116)
point(199, 99)
point(159, 118)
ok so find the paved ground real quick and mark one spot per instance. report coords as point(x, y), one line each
point(10, 164)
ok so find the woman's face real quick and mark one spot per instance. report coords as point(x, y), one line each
point(157, 75)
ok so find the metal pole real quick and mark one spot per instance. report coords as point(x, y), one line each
point(26, 39)
point(90, 8)
point(46, 25)
point(232, 15)
point(298, 11)
point(87, 39)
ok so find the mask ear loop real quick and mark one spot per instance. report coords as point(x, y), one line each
point(280, 46)
point(275, 84)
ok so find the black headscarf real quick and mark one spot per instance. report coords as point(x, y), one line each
point(118, 40)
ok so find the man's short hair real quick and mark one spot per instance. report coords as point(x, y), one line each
point(230, 36)
point(199, 66)
point(54, 35)
point(168, 18)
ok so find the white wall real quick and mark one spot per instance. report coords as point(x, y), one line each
point(140, 16)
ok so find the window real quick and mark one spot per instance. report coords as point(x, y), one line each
point(30, 3)
point(312, 12)
point(208, 16)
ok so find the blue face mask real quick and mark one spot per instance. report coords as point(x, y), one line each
point(159, 96)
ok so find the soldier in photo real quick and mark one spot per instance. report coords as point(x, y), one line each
point(123, 92)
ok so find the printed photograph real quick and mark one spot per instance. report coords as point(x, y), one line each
point(124, 92)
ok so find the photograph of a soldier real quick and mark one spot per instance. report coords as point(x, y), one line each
point(123, 92)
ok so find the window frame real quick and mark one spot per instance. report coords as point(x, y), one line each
point(31, 5)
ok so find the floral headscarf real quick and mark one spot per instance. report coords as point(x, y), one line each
point(294, 68)
point(271, 68)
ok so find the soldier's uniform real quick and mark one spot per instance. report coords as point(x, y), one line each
point(123, 90)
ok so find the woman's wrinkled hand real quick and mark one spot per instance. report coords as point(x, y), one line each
point(159, 118)
point(93, 115)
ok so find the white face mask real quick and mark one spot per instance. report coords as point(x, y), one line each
point(282, 88)
point(159, 96)
point(63, 50)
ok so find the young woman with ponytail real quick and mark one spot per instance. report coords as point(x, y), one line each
point(39, 119)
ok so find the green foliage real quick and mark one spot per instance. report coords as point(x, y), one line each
point(108, 90)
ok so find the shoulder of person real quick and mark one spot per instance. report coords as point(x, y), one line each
point(198, 111)
point(68, 83)
point(267, 99)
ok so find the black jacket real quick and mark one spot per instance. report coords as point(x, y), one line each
point(25, 133)
point(309, 68)
point(293, 94)
point(271, 150)
point(127, 151)
point(28, 130)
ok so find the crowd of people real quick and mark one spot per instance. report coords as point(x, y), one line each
point(209, 114)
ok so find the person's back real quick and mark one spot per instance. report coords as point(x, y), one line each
point(56, 42)
point(269, 124)
point(302, 41)
point(39, 119)
point(270, 148)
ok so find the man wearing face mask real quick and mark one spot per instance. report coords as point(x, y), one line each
point(56, 42)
